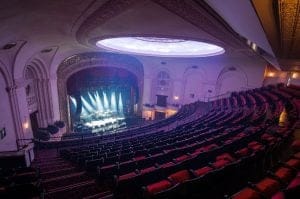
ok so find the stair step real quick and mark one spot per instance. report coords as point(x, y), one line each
point(78, 190)
point(48, 163)
point(63, 181)
point(54, 167)
point(63, 177)
point(102, 195)
point(59, 172)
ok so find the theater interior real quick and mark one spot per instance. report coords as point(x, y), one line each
point(150, 99)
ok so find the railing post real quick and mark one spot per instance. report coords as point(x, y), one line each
point(17, 143)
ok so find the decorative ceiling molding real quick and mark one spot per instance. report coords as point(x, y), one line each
point(282, 28)
point(197, 13)
point(289, 25)
point(105, 12)
point(202, 16)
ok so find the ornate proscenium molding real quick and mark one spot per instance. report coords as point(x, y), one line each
point(83, 61)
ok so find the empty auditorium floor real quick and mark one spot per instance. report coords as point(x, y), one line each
point(61, 179)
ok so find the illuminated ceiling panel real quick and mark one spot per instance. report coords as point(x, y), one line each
point(163, 47)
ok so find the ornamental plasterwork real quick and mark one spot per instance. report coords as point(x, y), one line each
point(289, 23)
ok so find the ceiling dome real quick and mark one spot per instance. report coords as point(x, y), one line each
point(159, 46)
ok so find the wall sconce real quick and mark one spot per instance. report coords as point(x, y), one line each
point(176, 98)
point(25, 123)
point(271, 74)
point(295, 75)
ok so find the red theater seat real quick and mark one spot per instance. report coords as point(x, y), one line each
point(168, 164)
point(139, 158)
point(295, 163)
point(225, 156)
point(158, 186)
point(297, 155)
point(182, 158)
point(147, 170)
point(296, 145)
point(246, 193)
point(295, 183)
point(220, 163)
point(180, 176)
point(242, 152)
point(268, 187)
point(127, 176)
point(285, 174)
point(202, 171)
point(278, 195)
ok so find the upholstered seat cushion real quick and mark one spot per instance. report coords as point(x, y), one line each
point(285, 174)
point(297, 155)
point(278, 195)
point(147, 170)
point(295, 183)
point(180, 176)
point(158, 186)
point(253, 143)
point(242, 152)
point(220, 163)
point(182, 158)
point(211, 146)
point(127, 176)
point(225, 156)
point(166, 165)
point(257, 147)
point(246, 193)
point(268, 187)
point(202, 171)
point(242, 134)
point(139, 158)
point(294, 163)
point(296, 145)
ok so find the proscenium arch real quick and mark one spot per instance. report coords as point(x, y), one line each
point(230, 71)
point(82, 61)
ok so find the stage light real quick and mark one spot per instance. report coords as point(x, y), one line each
point(73, 101)
point(164, 47)
point(120, 104)
point(176, 98)
point(113, 102)
point(106, 104)
point(99, 103)
point(86, 105)
point(94, 103)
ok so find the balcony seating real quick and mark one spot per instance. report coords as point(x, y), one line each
point(239, 139)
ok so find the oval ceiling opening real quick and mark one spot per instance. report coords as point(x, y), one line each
point(158, 46)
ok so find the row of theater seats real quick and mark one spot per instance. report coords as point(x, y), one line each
point(20, 183)
point(245, 122)
point(187, 112)
point(281, 183)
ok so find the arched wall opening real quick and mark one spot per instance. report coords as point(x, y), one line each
point(77, 63)
point(38, 95)
point(231, 79)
